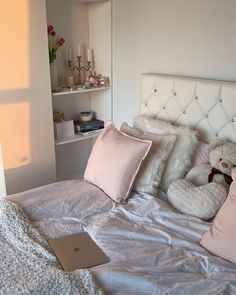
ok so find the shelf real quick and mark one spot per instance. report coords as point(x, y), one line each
point(78, 137)
point(80, 90)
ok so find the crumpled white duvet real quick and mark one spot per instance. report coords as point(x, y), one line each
point(153, 249)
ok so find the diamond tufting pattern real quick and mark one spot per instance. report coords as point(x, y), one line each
point(206, 105)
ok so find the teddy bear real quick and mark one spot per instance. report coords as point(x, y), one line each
point(222, 158)
point(205, 186)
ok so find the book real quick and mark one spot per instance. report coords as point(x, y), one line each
point(84, 126)
point(89, 132)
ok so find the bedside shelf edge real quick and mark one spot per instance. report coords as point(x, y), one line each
point(80, 91)
point(78, 137)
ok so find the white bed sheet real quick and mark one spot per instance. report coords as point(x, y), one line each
point(153, 249)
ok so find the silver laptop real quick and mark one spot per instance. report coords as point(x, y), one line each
point(78, 251)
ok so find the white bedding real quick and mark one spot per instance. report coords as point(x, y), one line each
point(29, 265)
point(153, 249)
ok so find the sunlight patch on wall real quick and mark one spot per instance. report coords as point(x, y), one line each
point(15, 134)
point(14, 49)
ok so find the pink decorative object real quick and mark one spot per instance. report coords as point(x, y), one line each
point(221, 238)
point(90, 81)
point(87, 84)
point(115, 161)
point(201, 155)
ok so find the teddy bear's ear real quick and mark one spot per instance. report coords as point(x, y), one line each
point(216, 142)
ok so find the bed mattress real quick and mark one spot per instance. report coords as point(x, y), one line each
point(153, 249)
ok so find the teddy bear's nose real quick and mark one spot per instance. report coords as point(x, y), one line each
point(225, 165)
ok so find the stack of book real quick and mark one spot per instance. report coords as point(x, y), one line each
point(85, 127)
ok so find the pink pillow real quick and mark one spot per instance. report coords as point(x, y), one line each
point(114, 162)
point(201, 155)
point(221, 238)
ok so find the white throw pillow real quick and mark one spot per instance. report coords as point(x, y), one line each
point(149, 175)
point(180, 159)
point(200, 201)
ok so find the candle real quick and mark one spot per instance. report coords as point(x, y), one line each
point(69, 54)
point(88, 55)
point(78, 50)
point(69, 81)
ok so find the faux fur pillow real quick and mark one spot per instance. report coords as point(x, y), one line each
point(150, 172)
point(180, 159)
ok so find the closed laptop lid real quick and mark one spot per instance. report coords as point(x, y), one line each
point(78, 251)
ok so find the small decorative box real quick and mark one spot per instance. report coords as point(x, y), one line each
point(58, 117)
point(64, 129)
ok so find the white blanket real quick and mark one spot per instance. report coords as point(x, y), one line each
point(27, 264)
point(154, 250)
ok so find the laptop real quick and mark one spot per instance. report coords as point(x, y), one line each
point(78, 251)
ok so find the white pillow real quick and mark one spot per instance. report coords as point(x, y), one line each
point(149, 175)
point(180, 159)
point(200, 201)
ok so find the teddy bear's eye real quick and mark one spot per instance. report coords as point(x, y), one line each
point(220, 160)
point(234, 165)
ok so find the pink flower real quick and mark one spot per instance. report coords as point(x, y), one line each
point(50, 29)
point(53, 43)
point(60, 42)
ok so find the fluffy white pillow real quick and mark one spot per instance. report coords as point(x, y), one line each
point(180, 159)
point(149, 175)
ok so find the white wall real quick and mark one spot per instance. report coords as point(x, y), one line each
point(184, 37)
point(26, 130)
point(100, 40)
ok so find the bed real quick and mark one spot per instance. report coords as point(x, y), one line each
point(153, 248)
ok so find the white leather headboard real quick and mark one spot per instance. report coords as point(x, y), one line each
point(206, 105)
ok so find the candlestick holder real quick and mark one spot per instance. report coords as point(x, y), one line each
point(79, 67)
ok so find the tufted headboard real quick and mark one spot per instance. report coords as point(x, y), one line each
point(206, 105)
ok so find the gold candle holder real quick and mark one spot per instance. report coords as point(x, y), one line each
point(79, 68)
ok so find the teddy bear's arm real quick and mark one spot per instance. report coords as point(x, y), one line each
point(198, 175)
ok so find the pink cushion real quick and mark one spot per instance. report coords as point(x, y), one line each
point(201, 155)
point(221, 238)
point(114, 162)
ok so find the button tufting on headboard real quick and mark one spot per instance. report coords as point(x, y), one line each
point(206, 105)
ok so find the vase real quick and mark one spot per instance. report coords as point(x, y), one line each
point(53, 75)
